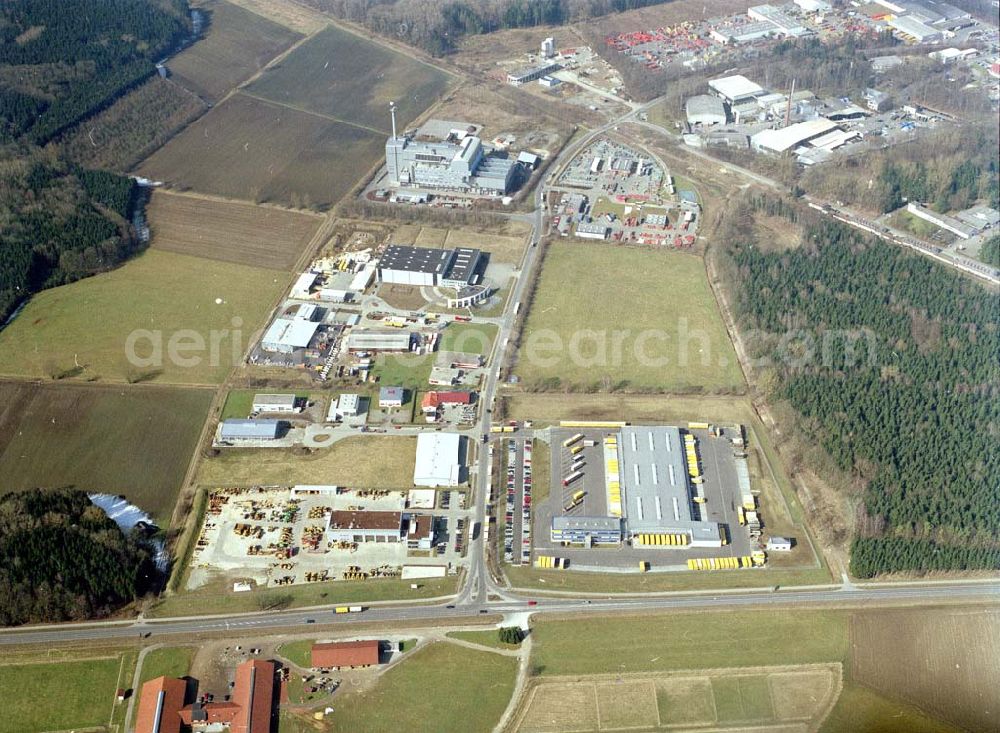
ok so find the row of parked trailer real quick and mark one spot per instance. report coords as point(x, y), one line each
point(573, 464)
point(725, 563)
point(662, 540)
point(549, 562)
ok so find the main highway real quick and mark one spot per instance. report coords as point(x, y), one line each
point(299, 620)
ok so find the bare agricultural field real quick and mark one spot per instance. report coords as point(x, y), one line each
point(376, 461)
point(287, 13)
point(606, 317)
point(229, 231)
point(134, 441)
point(237, 43)
point(352, 79)
point(134, 126)
point(949, 666)
point(250, 149)
point(719, 699)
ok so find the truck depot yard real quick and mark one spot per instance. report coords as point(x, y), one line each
point(606, 317)
point(650, 497)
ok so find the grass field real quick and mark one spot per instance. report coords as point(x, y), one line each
point(134, 126)
point(157, 296)
point(298, 652)
point(403, 370)
point(376, 461)
point(231, 232)
point(607, 317)
point(688, 641)
point(551, 408)
point(532, 578)
point(486, 637)
point(219, 597)
point(239, 402)
point(131, 441)
point(254, 150)
point(469, 338)
point(949, 665)
point(442, 687)
point(352, 79)
point(235, 45)
point(54, 696)
point(860, 709)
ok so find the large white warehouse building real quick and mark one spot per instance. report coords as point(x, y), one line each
point(438, 460)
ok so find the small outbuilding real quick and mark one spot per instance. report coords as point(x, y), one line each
point(274, 403)
point(779, 544)
point(390, 397)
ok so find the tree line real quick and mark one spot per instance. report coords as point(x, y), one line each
point(437, 26)
point(63, 559)
point(890, 360)
point(60, 222)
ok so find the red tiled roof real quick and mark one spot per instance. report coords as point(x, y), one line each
point(155, 716)
point(253, 692)
point(433, 399)
point(345, 654)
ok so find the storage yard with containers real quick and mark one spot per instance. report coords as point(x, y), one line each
point(270, 536)
point(639, 498)
point(612, 191)
point(694, 44)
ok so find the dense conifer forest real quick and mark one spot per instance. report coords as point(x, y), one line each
point(62, 558)
point(60, 63)
point(891, 360)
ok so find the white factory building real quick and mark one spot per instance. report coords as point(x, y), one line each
point(788, 138)
point(455, 163)
point(284, 336)
point(737, 89)
point(438, 460)
point(274, 403)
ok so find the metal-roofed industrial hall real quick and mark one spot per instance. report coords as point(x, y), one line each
point(654, 481)
point(423, 266)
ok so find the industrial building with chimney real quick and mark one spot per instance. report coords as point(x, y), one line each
point(458, 162)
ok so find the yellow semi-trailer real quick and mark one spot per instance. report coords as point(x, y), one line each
point(569, 441)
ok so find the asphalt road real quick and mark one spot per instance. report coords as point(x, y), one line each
point(847, 596)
